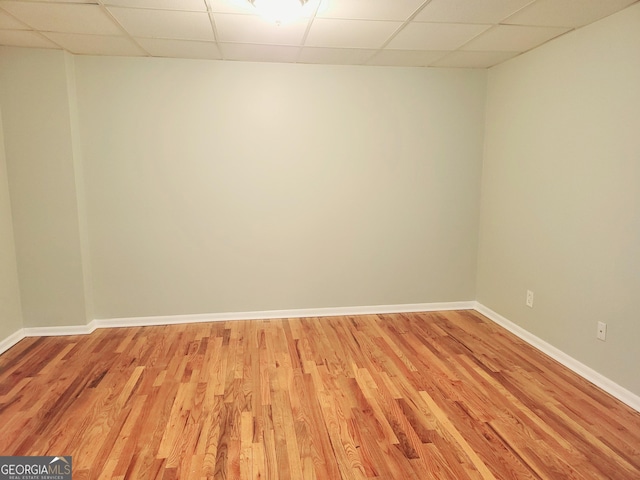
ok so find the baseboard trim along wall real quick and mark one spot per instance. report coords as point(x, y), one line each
point(271, 314)
point(571, 363)
point(11, 340)
point(15, 337)
point(60, 331)
point(587, 373)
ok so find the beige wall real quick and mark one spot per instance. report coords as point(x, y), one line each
point(215, 187)
point(172, 187)
point(10, 310)
point(561, 194)
point(40, 165)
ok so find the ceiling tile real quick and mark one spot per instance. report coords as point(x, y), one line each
point(513, 38)
point(63, 17)
point(24, 38)
point(566, 13)
point(232, 6)
point(243, 7)
point(259, 53)
point(96, 44)
point(469, 11)
point(161, 47)
point(187, 5)
point(7, 22)
point(89, 2)
point(326, 32)
point(253, 29)
point(406, 58)
point(164, 23)
point(335, 56)
point(467, 59)
point(399, 10)
point(435, 36)
point(450, 33)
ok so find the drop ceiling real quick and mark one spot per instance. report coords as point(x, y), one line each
point(438, 33)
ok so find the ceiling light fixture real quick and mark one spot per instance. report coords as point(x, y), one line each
point(280, 11)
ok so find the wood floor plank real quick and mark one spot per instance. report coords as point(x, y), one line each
point(446, 395)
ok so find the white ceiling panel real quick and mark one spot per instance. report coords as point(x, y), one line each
point(24, 38)
point(96, 44)
point(161, 47)
point(406, 58)
point(470, 11)
point(259, 53)
point(399, 10)
point(366, 34)
point(244, 7)
point(7, 22)
point(63, 17)
point(435, 36)
point(513, 38)
point(566, 13)
point(467, 59)
point(252, 29)
point(187, 5)
point(445, 33)
point(335, 56)
point(164, 23)
point(88, 2)
point(231, 6)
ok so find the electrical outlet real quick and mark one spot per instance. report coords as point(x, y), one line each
point(529, 301)
point(602, 331)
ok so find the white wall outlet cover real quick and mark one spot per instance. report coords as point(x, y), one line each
point(529, 301)
point(602, 331)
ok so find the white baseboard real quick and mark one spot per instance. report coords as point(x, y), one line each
point(60, 331)
point(11, 340)
point(271, 314)
point(609, 386)
point(14, 338)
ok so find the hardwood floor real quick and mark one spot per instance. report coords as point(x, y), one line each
point(446, 395)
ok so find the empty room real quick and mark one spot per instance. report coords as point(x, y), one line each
point(319, 239)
